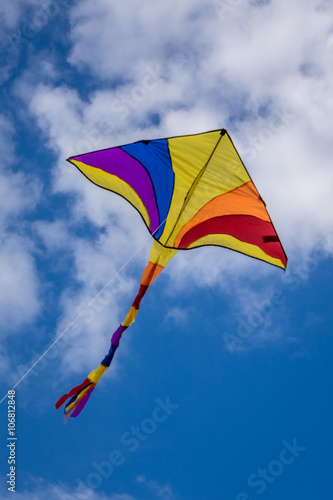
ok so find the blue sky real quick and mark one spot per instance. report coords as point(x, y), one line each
point(221, 390)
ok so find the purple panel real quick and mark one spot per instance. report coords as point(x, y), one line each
point(117, 335)
point(82, 403)
point(116, 162)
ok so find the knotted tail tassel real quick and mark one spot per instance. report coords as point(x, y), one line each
point(79, 395)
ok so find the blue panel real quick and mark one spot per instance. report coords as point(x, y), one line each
point(154, 156)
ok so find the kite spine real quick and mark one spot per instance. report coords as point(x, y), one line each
point(194, 185)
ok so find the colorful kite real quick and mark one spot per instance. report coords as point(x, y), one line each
point(191, 191)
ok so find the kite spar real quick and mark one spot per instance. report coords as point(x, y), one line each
point(191, 191)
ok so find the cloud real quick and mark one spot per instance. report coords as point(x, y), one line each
point(6, 141)
point(254, 50)
point(40, 489)
point(13, 13)
point(21, 20)
point(163, 491)
point(177, 314)
point(19, 292)
point(54, 235)
point(19, 195)
point(245, 76)
point(242, 68)
point(144, 35)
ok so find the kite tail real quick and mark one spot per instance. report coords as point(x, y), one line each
point(79, 395)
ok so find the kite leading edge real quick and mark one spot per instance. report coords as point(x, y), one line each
point(190, 191)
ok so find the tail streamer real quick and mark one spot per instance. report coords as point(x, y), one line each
point(79, 395)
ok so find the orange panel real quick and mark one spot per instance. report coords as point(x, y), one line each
point(150, 273)
point(243, 200)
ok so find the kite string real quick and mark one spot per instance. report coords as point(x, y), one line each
point(88, 305)
point(77, 317)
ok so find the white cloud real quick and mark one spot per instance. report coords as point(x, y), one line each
point(264, 70)
point(253, 60)
point(258, 48)
point(19, 194)
point(21, 21)
point(54, 235)
point(177, 314)
point(135, 34)
point(163, 491)
point(40, 489)
point(6, 141)
point(19, 292)
point(13, 13)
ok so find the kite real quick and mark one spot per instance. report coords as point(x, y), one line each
point(191, 191)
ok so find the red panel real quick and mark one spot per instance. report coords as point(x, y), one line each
point(246, 228)
point(139, 297)
point(72, 393)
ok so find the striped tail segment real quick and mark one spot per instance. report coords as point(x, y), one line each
point(79, 395)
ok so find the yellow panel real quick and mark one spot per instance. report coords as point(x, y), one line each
point(95, 375)
point(78, 399)
point(160, 255)
point(130, 318)
point(113, 183)
point(188, 154)
point(225, 240)
point(223, 173)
